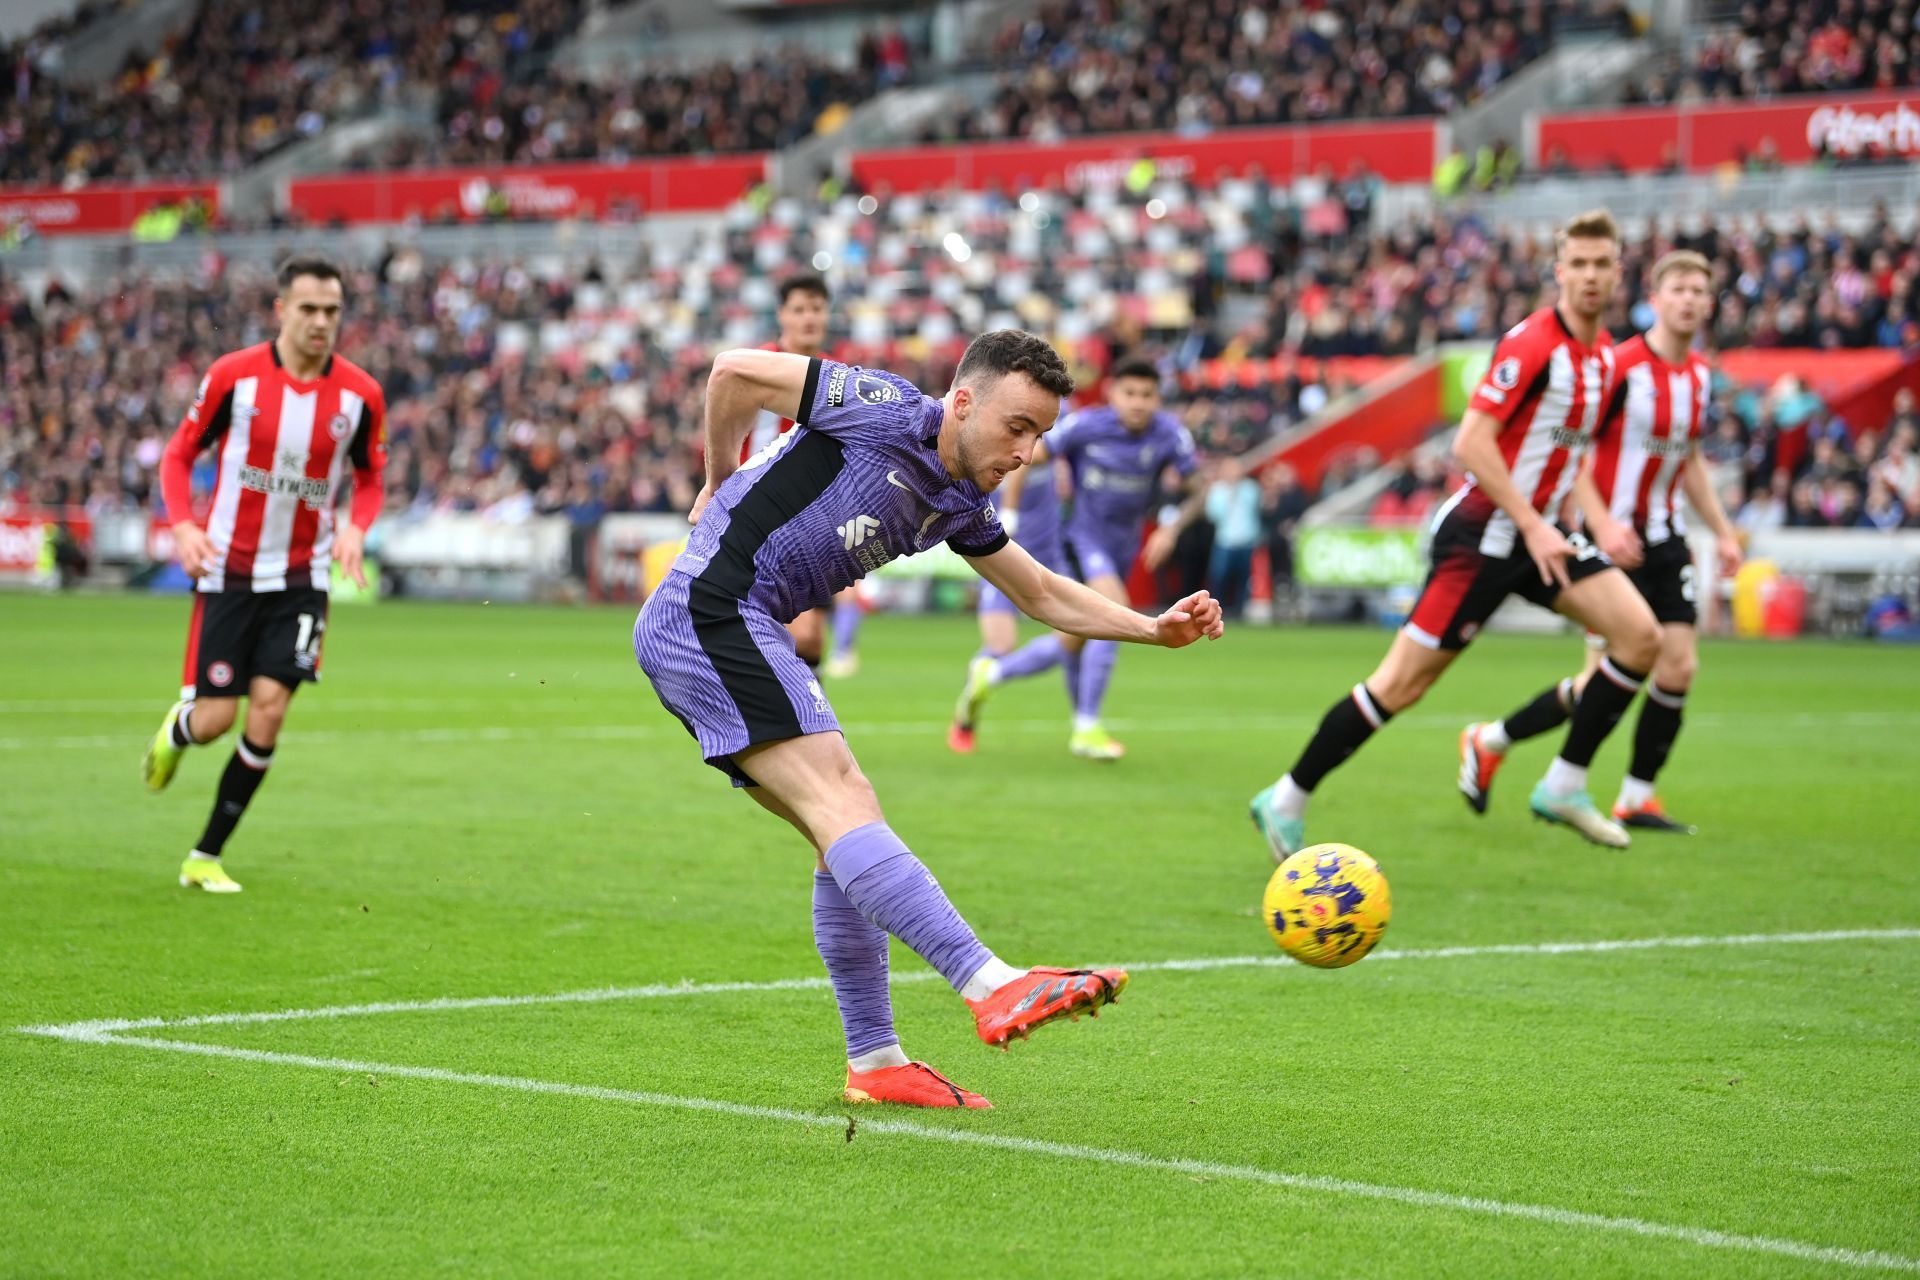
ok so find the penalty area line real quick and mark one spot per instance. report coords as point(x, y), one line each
point(663, 990)
point(1572, 1219)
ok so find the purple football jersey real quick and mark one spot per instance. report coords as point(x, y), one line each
point(856, 483)
point(1114, 470)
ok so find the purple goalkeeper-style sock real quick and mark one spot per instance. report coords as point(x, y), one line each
point(1096, 668)
point(1070, 667)
point(1032, 658)
point(855, 950)
point(846, 626)
point(894, 889)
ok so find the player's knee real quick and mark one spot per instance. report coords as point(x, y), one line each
point(1676, 668)
point(1636, 643)
point(212, 718)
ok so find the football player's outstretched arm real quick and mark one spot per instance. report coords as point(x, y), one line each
point(742, 384)
point(1079, 610)
point(1477, 448)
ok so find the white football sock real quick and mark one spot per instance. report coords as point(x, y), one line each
point(1564, 779)
point(989, 978)
point(1289, 799)
point(1083, 723)
point(1634, 794)
point(1493, 737)
point(873, 1059)
point(198, 856)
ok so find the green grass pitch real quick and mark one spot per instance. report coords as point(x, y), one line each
point(488, 802)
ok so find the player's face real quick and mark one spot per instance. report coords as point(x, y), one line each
point(803, 323)
point(1135, 401)
point(1682, 301)
point(1002, 428)
point(1588, 270)
point(309, 311)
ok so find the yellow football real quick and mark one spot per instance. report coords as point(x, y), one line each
point(1327, 905)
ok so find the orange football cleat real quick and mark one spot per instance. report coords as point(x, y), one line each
point(1477, 767)
point(960, 738)
point(1651, 817)
point(914, 1085)
point(1040, 996)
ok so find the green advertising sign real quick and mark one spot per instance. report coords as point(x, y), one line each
point(1460, 372)
point(1332, 556)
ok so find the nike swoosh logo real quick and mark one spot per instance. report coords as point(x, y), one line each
point(893, 478)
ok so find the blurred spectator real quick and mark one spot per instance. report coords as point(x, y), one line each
point(1233, 508)
point(1282, 502)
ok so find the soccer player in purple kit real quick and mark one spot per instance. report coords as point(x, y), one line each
point(875, 469)
point(1115, 454)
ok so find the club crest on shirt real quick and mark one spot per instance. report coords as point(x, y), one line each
point(340, 427)
point(874, 391)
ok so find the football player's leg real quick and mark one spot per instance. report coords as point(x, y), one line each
point(267, 701)
point(1606, 603)
point(1484, 747)
point(847, 615)
point(816, 777)
point(1097, 658)
point(1658, 727)
point(1403, 676)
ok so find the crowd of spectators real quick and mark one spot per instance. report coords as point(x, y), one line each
point(1102, 66)
point(246, 77)
point(761, 104)
point(1803, 46)
point(523, 387)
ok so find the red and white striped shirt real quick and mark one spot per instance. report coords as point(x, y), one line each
point(1548, 392)
point(283, 446)
point(1656, 413)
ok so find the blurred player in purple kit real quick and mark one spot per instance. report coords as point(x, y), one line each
point(1030, 511)
point(1115, 454)
point(874, 470)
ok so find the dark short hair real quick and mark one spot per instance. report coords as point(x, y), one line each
point(308, 264)
point(804, 284)
point(1136, 367)
point(992, 356)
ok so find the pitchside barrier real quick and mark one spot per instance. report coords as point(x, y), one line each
point(1818, 581)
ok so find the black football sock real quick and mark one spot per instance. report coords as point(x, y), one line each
point(243, 776)
point(1653, 736)
point(1347, 724)
point(1600, 708)
point(1543, 715)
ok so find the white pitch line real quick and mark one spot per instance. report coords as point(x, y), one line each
point(654, 991)
point(1750, 723)
point(1702, 1237)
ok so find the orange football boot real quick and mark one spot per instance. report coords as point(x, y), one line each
point(1477, 767)
point(914, 1085)
point(1040, 996)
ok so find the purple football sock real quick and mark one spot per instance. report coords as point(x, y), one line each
point(1032, 658)
point(1070, 668)
point(1096, 668)
point(855, 950)
point(894, 889)
point(846, 626)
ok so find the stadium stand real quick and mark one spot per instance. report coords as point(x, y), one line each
point(1777, 48)
point(1205, 64)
